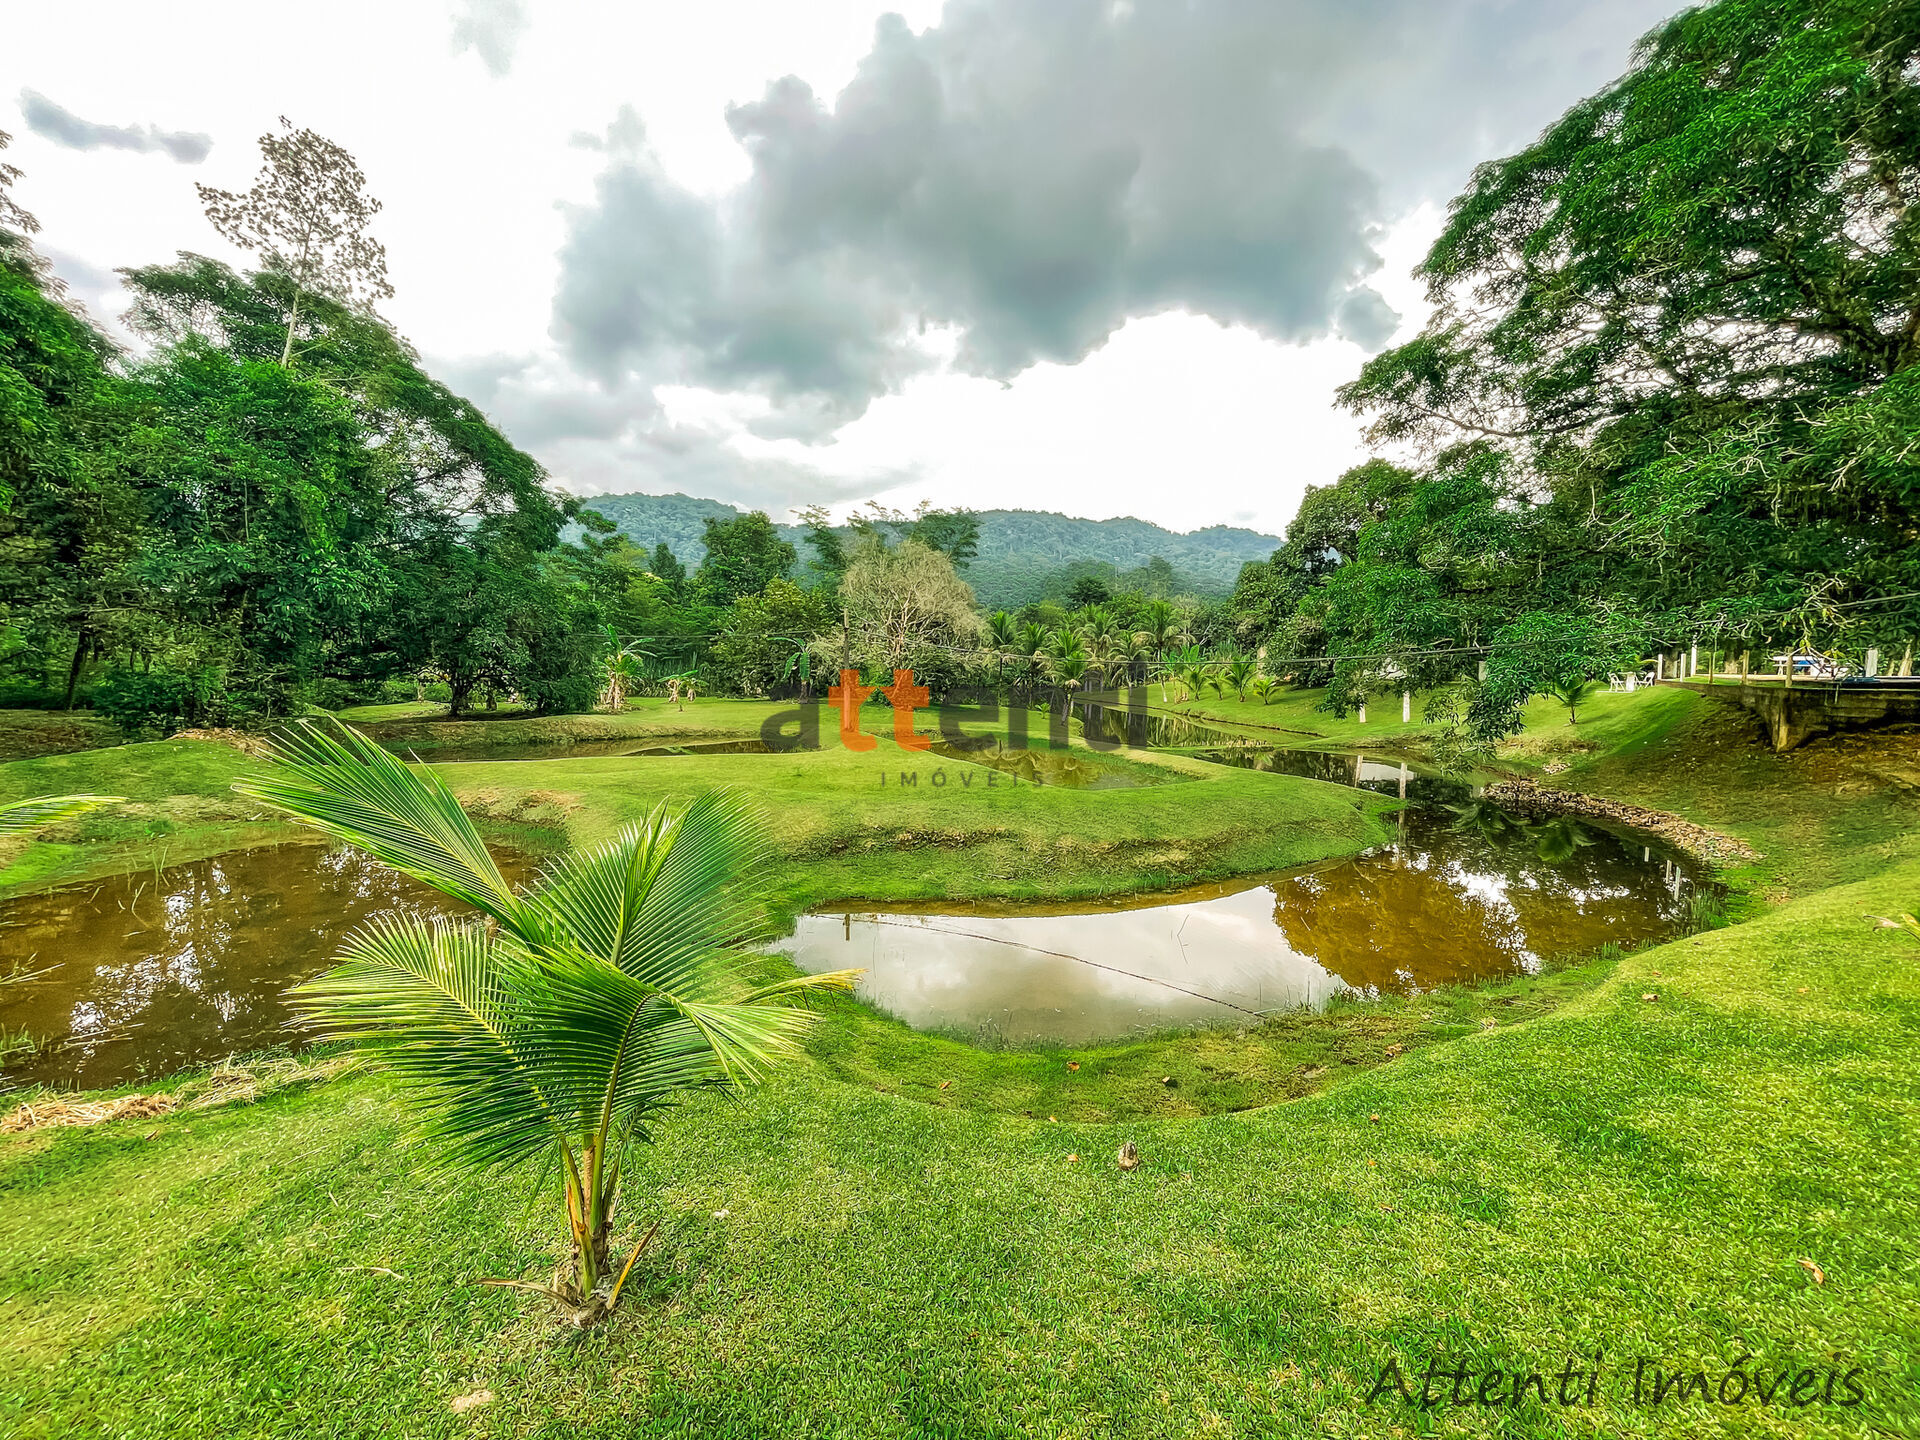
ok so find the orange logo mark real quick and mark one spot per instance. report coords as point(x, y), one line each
point(905, 695)
point(849, 694)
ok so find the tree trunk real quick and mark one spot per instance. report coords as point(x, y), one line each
point(460, 692)
point(293, 318)
point(80, 641)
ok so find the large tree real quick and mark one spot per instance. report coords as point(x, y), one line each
point(905, 608)
point(744, 556)
point(1688, 319)
point(306, 216)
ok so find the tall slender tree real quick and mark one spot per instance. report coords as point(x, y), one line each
point(306, 216)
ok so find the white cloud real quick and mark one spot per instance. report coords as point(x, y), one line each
point(492, 30)
point(1205, 388)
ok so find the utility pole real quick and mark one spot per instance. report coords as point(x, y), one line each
point(846, 640)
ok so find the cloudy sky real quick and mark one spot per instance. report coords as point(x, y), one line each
point(1099, 256)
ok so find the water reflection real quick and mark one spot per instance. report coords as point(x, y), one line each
point(1464, 892)
point(143, 974)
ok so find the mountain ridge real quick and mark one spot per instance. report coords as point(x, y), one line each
point(1024, 555)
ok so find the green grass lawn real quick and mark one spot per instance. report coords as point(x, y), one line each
point(1838, 809)
point(1639, 1178)
point(1295, 716)
point(1541, 1168)
point(180, 807)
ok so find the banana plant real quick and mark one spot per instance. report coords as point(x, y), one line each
point(800, 663)
point(560, 1022)
point(624, 666)
point(683, 687)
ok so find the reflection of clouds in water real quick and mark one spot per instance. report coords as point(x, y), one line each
point(1115, 971)
point(1441, 906)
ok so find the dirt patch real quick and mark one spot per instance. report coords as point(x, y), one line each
point(528, 807)
point(1526, 798)
point(29, 734)
point(253, 746)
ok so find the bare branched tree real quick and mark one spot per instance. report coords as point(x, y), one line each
point(306, 217)
point(11, 215)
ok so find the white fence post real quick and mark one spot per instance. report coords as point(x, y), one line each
point(1873, 661)
point(1406, 707)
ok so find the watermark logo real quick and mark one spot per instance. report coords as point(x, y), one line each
point(961, 707)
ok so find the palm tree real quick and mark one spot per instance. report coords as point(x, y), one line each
point(1194, 679)
point(1158, 622)
point(1105, 638)
point(1131, 647)
point(561, 1021)
point(1570, 693)
point(1239, 673)
point(1264, 688)
point(1002, 637)
point(1069, 670)
point(1028, 647)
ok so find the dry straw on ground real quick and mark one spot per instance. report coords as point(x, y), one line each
point(225, 1084)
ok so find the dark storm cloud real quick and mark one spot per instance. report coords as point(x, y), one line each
point(63, 127)
point(1033, 175)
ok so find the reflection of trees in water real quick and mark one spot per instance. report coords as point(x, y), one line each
point(1554, 842)
point(1386, 926)
point(1469, 891)
point(1142, 730)
point(159, 975)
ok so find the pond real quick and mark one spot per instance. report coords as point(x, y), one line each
point(1400, 921)
point(142, 975)
point(147, 974)
point(1464, 892)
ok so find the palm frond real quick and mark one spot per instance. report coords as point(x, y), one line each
point(350, 788)
point(24, 815)
point(441, 1002)
point(664, 900)
point(747, 1039)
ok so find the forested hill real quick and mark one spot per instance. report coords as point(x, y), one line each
point(1024, 554)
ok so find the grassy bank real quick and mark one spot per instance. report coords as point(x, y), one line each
point(1838, 809)
point(1643, 1178)
point(180, 806)
point(885, 824)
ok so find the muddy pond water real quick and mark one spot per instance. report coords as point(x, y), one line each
point(1463, 892)
point(147, 974)
point(142, 975)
